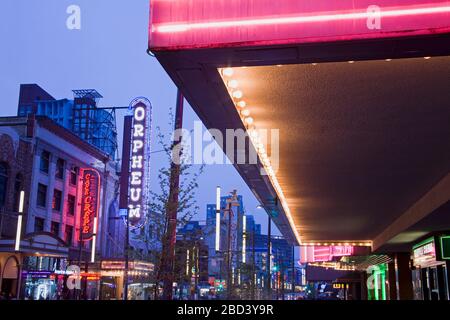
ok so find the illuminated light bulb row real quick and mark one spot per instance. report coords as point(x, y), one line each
point(388, 60)
point(361, 244)
point(241, 105)
point(237, 96)
point(332, 265)
point(137, 273)
point(118, 273)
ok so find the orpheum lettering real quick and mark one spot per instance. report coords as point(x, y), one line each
point(89, 202)
point(139, 161)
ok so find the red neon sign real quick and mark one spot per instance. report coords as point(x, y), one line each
point(90, 194)
point(209, 23)
point(324, 253)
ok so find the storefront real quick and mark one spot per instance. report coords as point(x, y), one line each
point(9, 274)
point(377, 284)
point(139, 280)
point(430, 272)
point(43, 278)
point(36, 271)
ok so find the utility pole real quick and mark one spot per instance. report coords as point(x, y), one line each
point(231, 202)
point(127, 258)
point(282, 274)
point(253, 265)
point(197, 269)
point(293, 271)
point(168, 250)
point(269, 244)
point(124, 184)
point(229, 265)
point(80, 257)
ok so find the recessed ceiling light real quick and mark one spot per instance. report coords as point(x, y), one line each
point(237, 94)
point(245, 112)
point(228, 72)
point(233, 84)
point(241, 104)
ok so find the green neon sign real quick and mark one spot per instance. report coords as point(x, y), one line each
point(445, 247)
point(424, 242)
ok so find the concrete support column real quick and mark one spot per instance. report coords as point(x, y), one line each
point(403, 276)
point(447, 274)
point(364, 295)
point(392, 293)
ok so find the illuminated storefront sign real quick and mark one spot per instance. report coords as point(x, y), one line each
point(340, 251)
point(139, 161)
point(220, 284)
point(424, 253)
point(90, 202)
point(324, 253)
point(132, 265)
point(445, 247)
point(340, 286)
point(210, 23)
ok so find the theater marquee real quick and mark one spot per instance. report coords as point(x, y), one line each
point(180, 24)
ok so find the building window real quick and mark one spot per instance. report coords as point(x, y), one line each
point(41, 195)
point(18, 184)
point(55, 228)
point(73, 176)
point(3, 183)
point(71, 205)
point(45, 161)
point(56, 202)
point(38, 224)
point(60, 166)
point(68, 235)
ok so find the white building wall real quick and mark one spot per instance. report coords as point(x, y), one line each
point(73, 156)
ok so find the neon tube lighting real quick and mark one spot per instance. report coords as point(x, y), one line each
point(93, 249)
point(94, 238)
point(19, 221)
point(19, 228)
point(172, 28)
point(218, 219)
point(244, 238)
point(21, 200)
point(187, 262)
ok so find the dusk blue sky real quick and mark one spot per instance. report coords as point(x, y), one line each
point(107, 54)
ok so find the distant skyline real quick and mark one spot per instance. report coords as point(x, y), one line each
point(108, 54)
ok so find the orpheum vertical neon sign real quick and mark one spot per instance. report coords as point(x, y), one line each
point(139, 161)
point(90, 202)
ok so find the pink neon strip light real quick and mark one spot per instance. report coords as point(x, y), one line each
point(172, 28)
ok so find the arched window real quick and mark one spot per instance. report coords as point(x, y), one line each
point(18, 185)
point(3, 182)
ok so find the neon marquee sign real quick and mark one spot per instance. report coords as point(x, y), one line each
point(139, 162)
point(90, 202)
point(210, 23)
point(424, 253)
point(324, 253)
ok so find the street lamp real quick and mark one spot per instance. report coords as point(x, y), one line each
point(19, 221)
